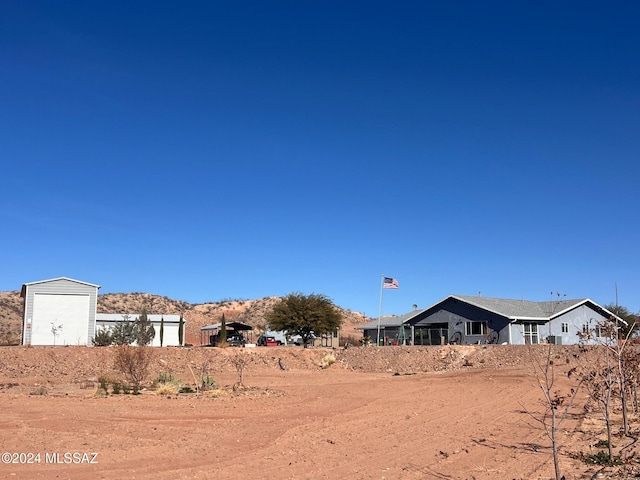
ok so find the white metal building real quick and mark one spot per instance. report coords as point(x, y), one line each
point(62, 311)
point(171, 326)
point(59, 311)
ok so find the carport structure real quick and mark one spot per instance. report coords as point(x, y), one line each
point(209, 333)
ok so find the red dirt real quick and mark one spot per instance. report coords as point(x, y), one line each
point(394, 413)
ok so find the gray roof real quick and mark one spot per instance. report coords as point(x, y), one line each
point(389, 320)
point(508, 308)
point(521, 308)
point(60, 278)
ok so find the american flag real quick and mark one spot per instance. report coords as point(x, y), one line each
point(390, 283)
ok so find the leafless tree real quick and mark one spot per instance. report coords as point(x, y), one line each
point(241, 360)
point(133, 362)
point(556, 403)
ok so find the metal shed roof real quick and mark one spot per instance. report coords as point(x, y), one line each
point(24, 285)
point(233, 325)
point(119, 317)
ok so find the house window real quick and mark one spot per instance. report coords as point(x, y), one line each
point(565, 328)
point(585, 328)
point(475, 328)
point(531, 333)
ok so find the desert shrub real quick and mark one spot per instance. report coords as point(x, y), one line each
point(41, 390)
point(328, 360)
point(103, 382)
point(186, 389)
point(134, 363)
point(207, 383)
point(164, 377)
point(167, 384)
point(117, 388)
point(168, 389)
point(102, 338)
point(241, 361)
point(603, 458)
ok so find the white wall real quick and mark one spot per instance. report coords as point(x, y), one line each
point(69, 313)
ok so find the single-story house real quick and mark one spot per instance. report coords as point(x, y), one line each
point(460, 319)
point(170, 337)
point(59, 311)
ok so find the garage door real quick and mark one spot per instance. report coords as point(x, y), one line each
point(66, 315)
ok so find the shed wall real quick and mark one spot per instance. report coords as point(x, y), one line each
point(62, 302)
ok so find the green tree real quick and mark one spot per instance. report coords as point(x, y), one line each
point(143, 329)
point(222, 337)
point(181, 331)
point(123, 333)
point(161, 330)
point(632, 320)
point(304, 315)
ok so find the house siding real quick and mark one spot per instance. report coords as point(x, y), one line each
point(575, 320)
point(455, 314)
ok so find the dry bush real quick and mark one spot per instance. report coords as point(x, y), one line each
point(350, 340)
point(133, 362)
point(168, 388)
point(241, 361)
point(328, 360)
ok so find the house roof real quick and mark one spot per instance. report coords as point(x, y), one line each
point(520, 309)
point(389, 320)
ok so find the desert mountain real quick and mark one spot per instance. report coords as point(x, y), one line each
point(251, 312)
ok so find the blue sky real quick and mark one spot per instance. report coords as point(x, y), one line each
point(210, 150)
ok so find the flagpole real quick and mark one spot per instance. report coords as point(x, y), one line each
point(380, 308)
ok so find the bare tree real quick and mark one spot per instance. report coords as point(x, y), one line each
point(556, 403)
point(241, 361)
point(55, 329)
point(602, 374)
point(133, 362)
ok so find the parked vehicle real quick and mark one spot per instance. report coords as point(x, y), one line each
point(267, 341)
point(297, 340)
point(236, 340)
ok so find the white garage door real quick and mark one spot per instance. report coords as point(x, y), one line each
point(68, 315)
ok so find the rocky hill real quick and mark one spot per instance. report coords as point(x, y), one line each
point(251, 312)
point(11, 308)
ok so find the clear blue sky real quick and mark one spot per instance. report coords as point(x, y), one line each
point(210, 150)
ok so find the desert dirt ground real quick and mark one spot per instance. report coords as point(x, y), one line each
point(376, 413)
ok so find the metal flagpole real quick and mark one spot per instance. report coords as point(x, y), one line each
point(380, 309)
